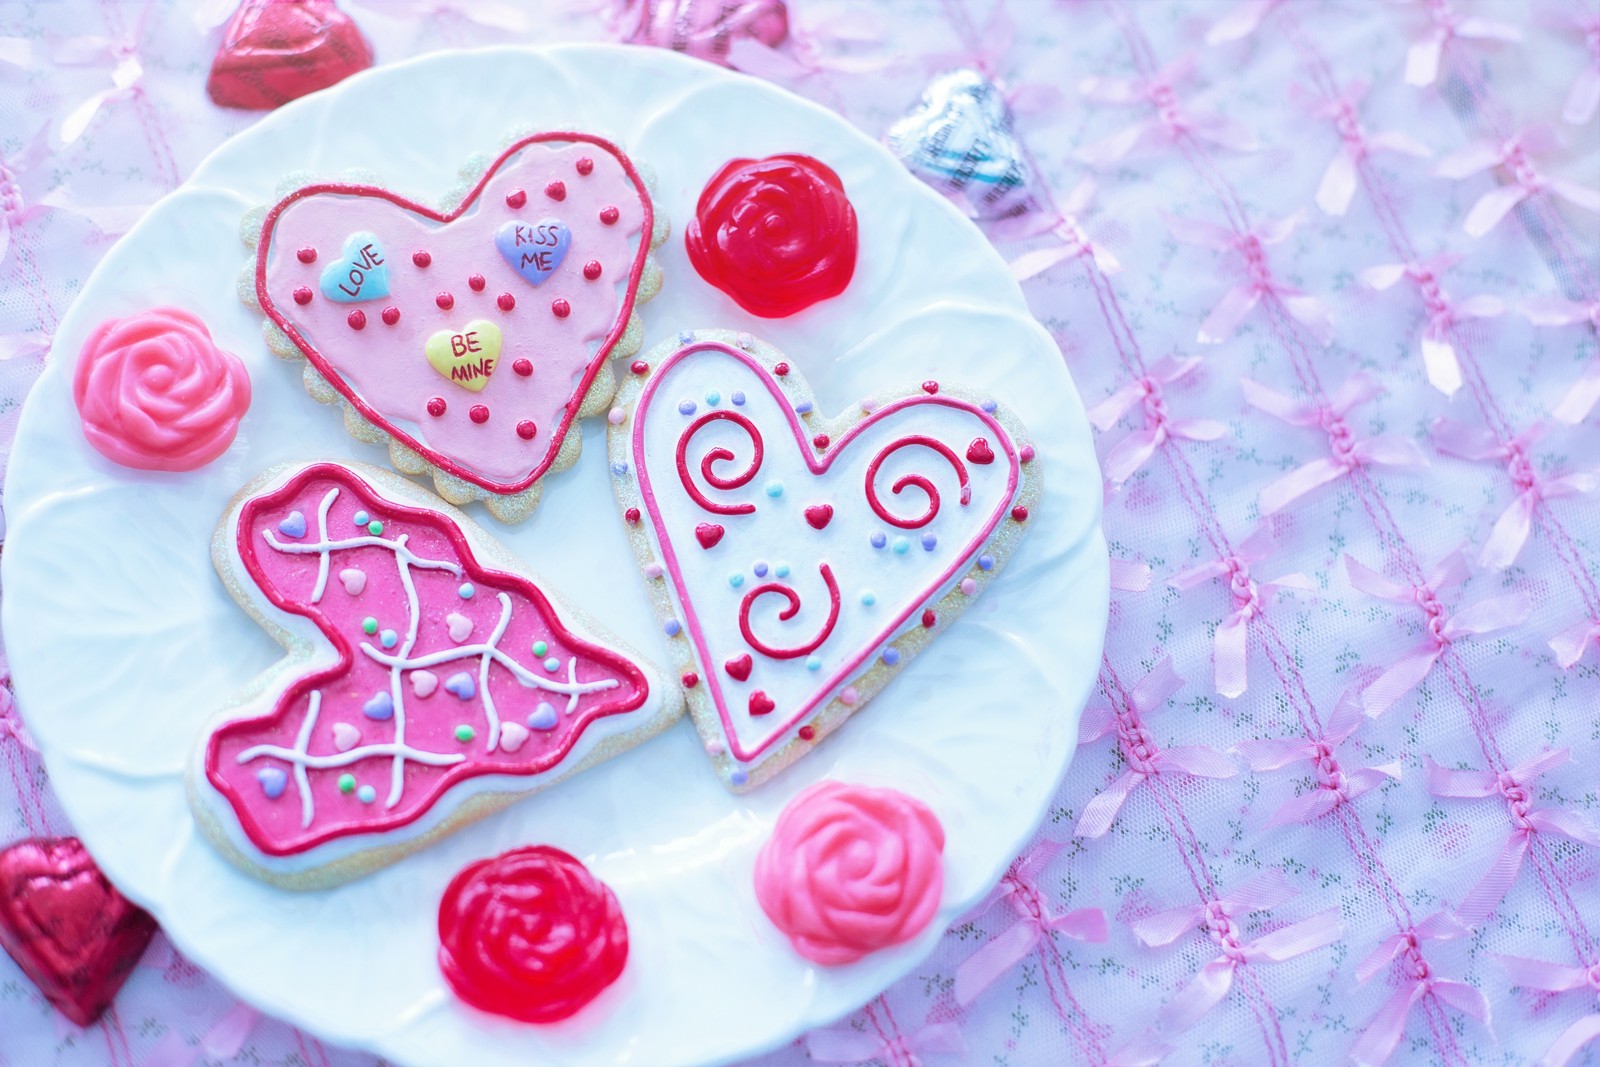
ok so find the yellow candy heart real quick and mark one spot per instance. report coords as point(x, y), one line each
point(466, 356)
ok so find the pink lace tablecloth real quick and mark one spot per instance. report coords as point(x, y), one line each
point(1329, 276)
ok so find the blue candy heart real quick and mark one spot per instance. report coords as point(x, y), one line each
point(273, 781)
point(379, 706)
point(543, 717)
point(461, 685)
point(360, 273)
point(535, 249)
point(294, 525)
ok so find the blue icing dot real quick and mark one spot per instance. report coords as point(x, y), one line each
point(901, 545)
point(803, 408)
point(869, 598)
point(891, 656)
point(466, 591)
point(273, 781)
point(929, 541)
point(552, 665)
point(781, 570)
point(986, 562)
point(736, 580)
point(738, 397)
point(760, 568)
point(879, 540)
point(543, 717)
point(389, 639)
point(366, 794)
point(713, 398)
point(360, 518)
point(738, 778)
point(671, 627)
point(813, 663)
point(774, 489)
point(619, 469)
point(686, 406)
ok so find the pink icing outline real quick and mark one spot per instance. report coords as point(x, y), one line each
point(816, 467)
point(245, 547)
point(438, 459)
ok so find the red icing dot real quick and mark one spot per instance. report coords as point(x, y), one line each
point(781, 369)
point(506, 301)
point(560, 308)
point(928, 619)
point(391, 315)
point(479, 414)
point(585, 166)
point(307, 254)
point(640, 367)
point(807, 732)
point(777, 235)
point(610, 215)
point(930, 387)
point(526, 429)
point(357, 319)
point(556, 190)
point(302, 295)
point(436, 406)
point(523, 367)
point(690, 679)
point(1019, 513)
point(421, 259)
point(476, 282)
point(632, 515)
point(591, 269)
point(821, 440)
point(531, 934)
point(516, 198)
point(445, 301)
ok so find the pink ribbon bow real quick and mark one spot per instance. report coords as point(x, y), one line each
point(1143, 756)
point(1422, 59)
point(1171, 120)
point(1338, 186)
point(1511, 529)
point(1134, 450)
point(1570, 644)
point(856, 1046)
point(1583, 100)
point(1034, 923)
point(1349, 451)
point(1072, 240)
point(1240, 22)
point(1557, 978)
point(1513, 157)
point(1259, 282)
point(122, 59)
point(1438, 352)
point(1377, 1042)
point(1249, 599)
point(1486, 616)
point(1335, 786)
point(1220, 920)
point(490, 14)
point(1526, 821)
point(1129, 576)
point(222, 1042)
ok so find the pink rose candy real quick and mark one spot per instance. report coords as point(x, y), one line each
point(156, 393)
point(850, 870)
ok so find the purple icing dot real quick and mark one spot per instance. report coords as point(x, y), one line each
point(619, 469)
point(760, 569)
point(929, 541)
point(461, 686)
point(686, 407)
point(685, 337)
point(879, 539)
point(737, 397)
point(891, 656)
point(988, 406)
point(671, 627)
point(738, 778)
point(803, 408)
point(273, 781)
point(986, 562)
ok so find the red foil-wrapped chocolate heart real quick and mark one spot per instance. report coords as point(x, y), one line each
point(68, 928)
point(276, 50)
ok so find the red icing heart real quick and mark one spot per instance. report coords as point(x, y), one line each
point(819, 515)
point(979, 451)
point(273, 52)
point(760, 703)
point(739, 666)
point(67, 927)
point(708, 534)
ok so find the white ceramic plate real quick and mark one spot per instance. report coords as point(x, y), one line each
point(123, 642)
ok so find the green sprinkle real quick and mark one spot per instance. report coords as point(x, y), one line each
point(374, 527)
point(465, 733)
point(347, 783)
point(540, 648)
point(369, 625)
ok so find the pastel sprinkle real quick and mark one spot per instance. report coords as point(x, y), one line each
point(760, 568)
point(461, 686)
point(465, 733)
point(781, 570)
point(273, 781)
point(540, 648)
point(552, 665)
point(369, 625)
point(653, 571)
point(986, 562)
point(374, 527)
point(736, 580)
point(713, 398)
point(388, 639)
point(360, 518)
point(366, 794)
point(929, 541)
point(901, 546)
point(879, 539)
point(869, 406)
point(803, 408)
point(685, 337)
point(615, 416)
point(686, 407)
point(813, 663)
point(774, 489)
point(466, 591)
point(848, 696)
point(738, 397)
point(968, 586)
point(715, 748)
point(738, 778)
point(543, 717)
point(347, 783)
point(988, 406)
point(619, 469)
point(671, 627)
point(869, 598)
point(891, 656)
point(744, 341)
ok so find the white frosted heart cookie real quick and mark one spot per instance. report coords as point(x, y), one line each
point(799, 562)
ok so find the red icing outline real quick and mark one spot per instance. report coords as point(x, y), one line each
point(716, 455)
point(786, 614)
point(438, 459)
point(245, 545)
point(918, 480)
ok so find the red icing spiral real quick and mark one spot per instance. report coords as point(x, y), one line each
point(530, 934)
point(775, 234)
point(714, 456)
point(789, 611)
point(920, 481)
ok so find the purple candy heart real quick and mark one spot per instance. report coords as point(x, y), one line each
point(462, 685)
point(273, 781)
point(379, 707)
point(534, 249)
point(294, 525)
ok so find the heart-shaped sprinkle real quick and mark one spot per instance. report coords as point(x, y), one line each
point(708, 534)
point(543, 717)
point(465, 357)
point(819, 515)
point(461, 685)
point(739, 666)
point(345, 736)
point(760, 703)
point(423, 683)
point(379, 707)
point(930, 387)
point(979, 452)
point(513, 735)
point(534, 249)
point(359, 273)
point(459, 625)
point(353, 580)
point(273, 781)
point(294, 525)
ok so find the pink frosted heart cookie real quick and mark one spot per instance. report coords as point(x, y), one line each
point(798, 562)
point(470, 336)
point(430, 679)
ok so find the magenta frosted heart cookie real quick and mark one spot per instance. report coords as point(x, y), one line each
point(798, 562)
point(469, 336)
point(431, 679)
